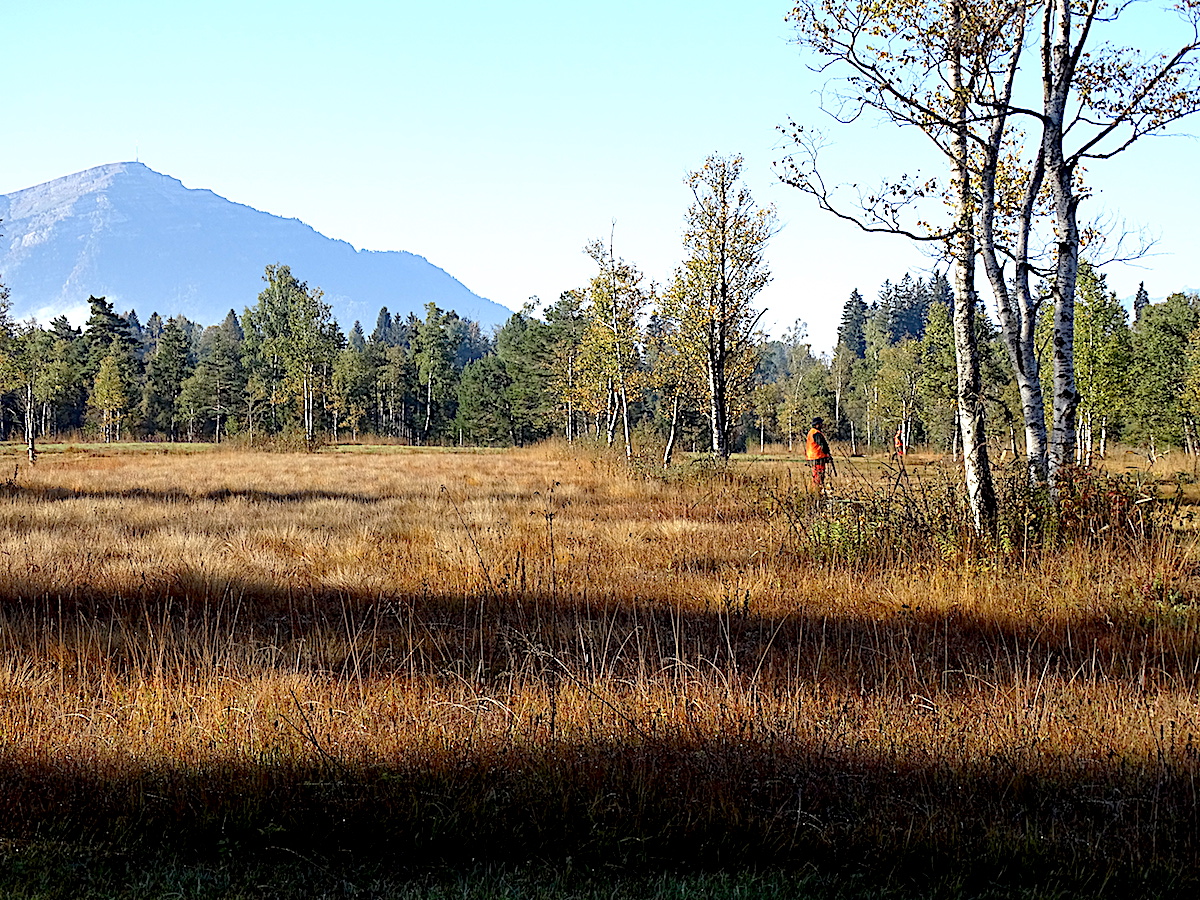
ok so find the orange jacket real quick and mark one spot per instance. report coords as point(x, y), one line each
point(818, 447)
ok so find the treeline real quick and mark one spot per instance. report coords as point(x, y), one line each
point(601, 356)
point(283, 367)
point(605, 360)
point(1138, 381)
point(893, 369)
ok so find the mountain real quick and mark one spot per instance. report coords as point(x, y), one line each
point(146, 242)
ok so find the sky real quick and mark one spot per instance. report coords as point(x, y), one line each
point(496, 140)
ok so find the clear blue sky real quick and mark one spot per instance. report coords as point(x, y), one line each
point(493, 139)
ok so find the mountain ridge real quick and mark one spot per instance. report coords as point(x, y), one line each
point(149, 243)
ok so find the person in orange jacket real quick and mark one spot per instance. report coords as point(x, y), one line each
point(818, 453)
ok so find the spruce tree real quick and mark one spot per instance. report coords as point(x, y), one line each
point(356, 340)
point(166, 369)
point(523, 347)
point(1140, 301)
point(1159, 372)
point(103, 327)
point(852, 332)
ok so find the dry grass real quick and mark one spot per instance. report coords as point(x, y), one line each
point(433, 657)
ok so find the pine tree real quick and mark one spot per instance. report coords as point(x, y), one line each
point(221, 373)
point(102, 328)
point(106, 334)
point(166, 368)
point(1140, 301)
point(910, 306)
point(466, 338)
point(1159, 370)
point(852, 331)
point(356, 340)
point(64, 388)
point(484, 410)
point(523, 349)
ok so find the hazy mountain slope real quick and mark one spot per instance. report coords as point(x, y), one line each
point(148, 243)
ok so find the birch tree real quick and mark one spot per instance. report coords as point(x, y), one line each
point(951, 69)
point(265, 326)
point(290, 339)
point(311, 344)
point(1103, 355)
point(567, 324)
point(939, 67)
point(109, 394)
point(1096, 100)
point(610, 352)
point(676, 374)
point(712, 297)
point(350, 385)
point(433, 356)
point(26, 355)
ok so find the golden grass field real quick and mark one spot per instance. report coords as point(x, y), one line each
point(425, 658)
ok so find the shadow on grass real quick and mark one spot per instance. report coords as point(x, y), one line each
point(642, 797)
point(640, 805)
point(178, 496)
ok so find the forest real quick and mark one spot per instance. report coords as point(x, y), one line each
point(285, 367)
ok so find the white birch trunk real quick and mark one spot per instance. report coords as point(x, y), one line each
point(1058, 73)
point(670, 449)
point(976, 469)
point(30, 423)
point(1015, 303)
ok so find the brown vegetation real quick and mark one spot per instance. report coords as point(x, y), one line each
point(443, 657)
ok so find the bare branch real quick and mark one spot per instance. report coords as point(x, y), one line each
point(878, 212)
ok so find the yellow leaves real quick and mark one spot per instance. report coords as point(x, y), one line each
point(108, 389)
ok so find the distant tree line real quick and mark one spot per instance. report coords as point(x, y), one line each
point(610, 358)
point(284, 366)
point(1138, 381)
